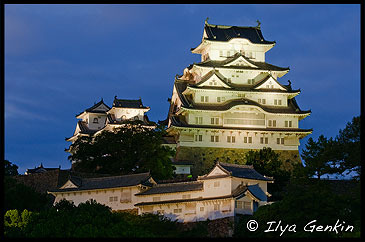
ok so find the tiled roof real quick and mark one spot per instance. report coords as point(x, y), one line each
point(173, 187)
point(225, 33)
point(254, 190)
point(107, 182)
point(40, 169)
point(183, 200)
point(222, 63)
point(97, 105)
point(127, 103)
point(292, 107)
point(92, 108)
point(243, 171)
point(178, 122)
point(84, 129)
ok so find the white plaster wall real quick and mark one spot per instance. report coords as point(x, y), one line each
point(223, 189)
point(101, 120)
point(237, 181)
point(129, 113)
point(255, 52)
point(181, 169)
point(239, 136)
point(102, 196)
point(169, 196)
point(226, 209)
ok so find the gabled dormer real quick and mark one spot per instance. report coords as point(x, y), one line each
point(269, 82)
point(97, 108)
point(240, 61)
point(213, 79)
point(72, 182)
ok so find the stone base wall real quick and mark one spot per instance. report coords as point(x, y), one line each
point(204, 158)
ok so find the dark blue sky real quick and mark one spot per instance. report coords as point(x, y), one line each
point(60, 59)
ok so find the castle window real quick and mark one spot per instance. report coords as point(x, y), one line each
point(95, 120)
point(239, 204)
point(201, 209)
point(216, 207)
point(214, 138)
point(177, 210)
point(231, 139)
point(198, 137)
point(271, 123)
point(247, 139)
point(156, 199)
point(264, 140)
point(216, 184)
point(247, 205)
point(204, 99)
point(218, 99)
point(280, 141)
point(288, 123)
point(214, 120)
point(198, 120)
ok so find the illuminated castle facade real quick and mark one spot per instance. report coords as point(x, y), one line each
point(232, 101)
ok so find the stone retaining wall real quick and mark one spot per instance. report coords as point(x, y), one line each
point(204, 158)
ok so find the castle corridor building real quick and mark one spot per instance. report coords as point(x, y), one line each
point(232, 101)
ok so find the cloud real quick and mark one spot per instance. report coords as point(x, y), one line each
point(15, 111)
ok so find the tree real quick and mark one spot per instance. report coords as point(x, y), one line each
point(348, 147)
point(10, 169)
point(319, 157)
point(19, 196)
point(267, 162)
point(14, 223)
point(133, 148)
point(91, 219)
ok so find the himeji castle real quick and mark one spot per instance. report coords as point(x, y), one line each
point(100, 117)
point(232, 101)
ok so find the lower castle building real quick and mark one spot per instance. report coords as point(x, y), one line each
point(225, 191)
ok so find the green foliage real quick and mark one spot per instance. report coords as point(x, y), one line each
point(14, 223)
point(319, 157)
point(10, 169)
point(132, 148)
point(348, 147)
point(19, 196)
point(91, 219)
point(305, 201)
point(266, 162)
point(334, 156)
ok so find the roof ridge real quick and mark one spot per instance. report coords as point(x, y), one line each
point(236, 165)
point(228, 26)
point(174, 183)
point(97, 178)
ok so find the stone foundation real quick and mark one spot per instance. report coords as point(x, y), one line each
point(204, 158)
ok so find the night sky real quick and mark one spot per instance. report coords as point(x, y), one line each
point(61, 59)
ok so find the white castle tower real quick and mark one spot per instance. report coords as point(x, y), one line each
point(232, 101)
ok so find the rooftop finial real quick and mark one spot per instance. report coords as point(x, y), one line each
point(206, 20)
point(258, 24)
